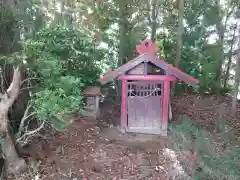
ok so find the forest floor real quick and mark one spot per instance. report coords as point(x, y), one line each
point(91, 150)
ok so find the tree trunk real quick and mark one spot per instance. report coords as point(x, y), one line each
point(237, 82)
point(220, 26)
point(123, 31)
point(123, 21)
point(180, 31)
point(228, 69)
point(152, 17)
point(230, 57)
point(179, 37)
point(13, 163)
point(70, 15)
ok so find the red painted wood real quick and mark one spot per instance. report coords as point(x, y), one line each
point(144, 82)
point(121, 70)
point(147, 47)
point(147, 77)
point(124, 105)
point(109, 74)
point(173, 68)
point(166, 92)
point(154, 107)
point(170, 69)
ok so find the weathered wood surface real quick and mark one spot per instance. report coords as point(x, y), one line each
point(144, 107)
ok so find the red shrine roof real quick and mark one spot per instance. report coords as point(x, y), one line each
point(147, 50)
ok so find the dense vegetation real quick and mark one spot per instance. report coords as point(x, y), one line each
point(57, 57)
point(60, 47)
point(216, 157)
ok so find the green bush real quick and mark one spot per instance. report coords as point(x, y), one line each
point(64, 62)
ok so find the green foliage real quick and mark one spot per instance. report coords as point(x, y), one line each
point(197, 63)
point(8, 22)
point(64, 61)
point(8, 29)
point(78, 53)
point(59, 124)
point(201, 52)
point(30, 17)
point(58, 101)
point(212, 163)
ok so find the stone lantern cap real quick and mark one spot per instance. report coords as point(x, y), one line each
point(92, 91)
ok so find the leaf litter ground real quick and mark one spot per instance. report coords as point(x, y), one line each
point(91, 150)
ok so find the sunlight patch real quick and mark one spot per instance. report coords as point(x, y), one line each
point(174, 168)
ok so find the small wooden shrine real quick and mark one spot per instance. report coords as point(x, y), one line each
point(146, 90)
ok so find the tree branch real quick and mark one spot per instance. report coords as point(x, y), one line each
point(227, 16)
point(2, 80)
point(28, 79)
point(149, 11)
point(154, 11)
point(157, 12)
point(14, 87)
point(29, 133)
point(24, 118)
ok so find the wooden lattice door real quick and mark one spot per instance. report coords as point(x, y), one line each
point(144, 107)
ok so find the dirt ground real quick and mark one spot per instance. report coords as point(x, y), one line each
point(88, 154)
point(207, 111)
point(84, 152)
point(91, 150)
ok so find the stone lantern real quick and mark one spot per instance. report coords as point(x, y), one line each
point(92, 97)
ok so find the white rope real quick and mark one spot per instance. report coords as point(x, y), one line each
point(134, 95)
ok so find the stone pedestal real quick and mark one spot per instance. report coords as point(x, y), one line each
point(92, 97)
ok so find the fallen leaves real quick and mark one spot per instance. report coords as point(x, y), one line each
point(206, 111)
